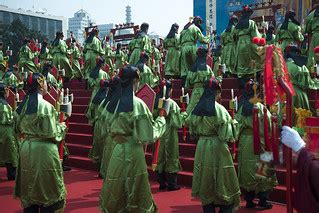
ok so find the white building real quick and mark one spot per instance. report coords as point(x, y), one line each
point(78, 22)
point(47, 24)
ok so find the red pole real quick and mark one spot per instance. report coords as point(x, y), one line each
point(155, 156)
point(287, 150)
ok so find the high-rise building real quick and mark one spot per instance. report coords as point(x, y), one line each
point(78, 22)
point(105, 29)
point(128, 14)
point(47, 24)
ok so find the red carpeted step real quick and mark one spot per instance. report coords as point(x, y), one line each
point(75, 85)
point(78, 149)
point(78, 138)
point(78, 118)
point(81, 93)
point(77, 108)
point(80, 128)
point(81, 100)
point(81, 162)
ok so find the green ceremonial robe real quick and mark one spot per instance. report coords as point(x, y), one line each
point(148, 77)
point(51, 80)
point(60, 58)
point(292, 35)
point(39, 178)
point(301, 80)
point(76, 54)
point(108, 56)
point(215, 179)
point(139, 45)
point(188, 38)
point(172, 60)
point(168, 156)
point(120, 59)
point(11, 81)
point(8, 140)
point(92, 51)
point(312, 28)
point(228, 56)
point(106, 118)
point(95, 85)
point(247, 160)
point(246, 49)
point(126, 187)
point(195, 81)
point(3, 60)
point(44, 57)
point(26, 57)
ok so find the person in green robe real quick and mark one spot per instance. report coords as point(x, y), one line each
point(168, 157)
point(11, 80)
point(251, 183)
point(96, 151)
point(39, 179)
point(26, 57)
point(60, 56)
point(146, 74)
point(120, 57)
point(300, 77)
point(172, 60)
point(312, 29)
point(44, 54)
point(245, 31)
point(8, 144)
point(156, 57)
point(141, 43)
point(126, 187)
point(190, 35)
point(96, 75)
point(51, 80)
point(108, 56)
point(3, 61)
point(92, 50)
point(290, 31)
point(229, 45)
point(200, 73)
point(74, 55)
point(105, 118)
point(215, 180)
point(270, 36)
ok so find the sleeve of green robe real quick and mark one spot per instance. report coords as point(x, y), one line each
point(296, 31)
point(63, 47)
point(254, 29)
point(227, 127)
point(176, 118)
point(200, 37)
point(145, 129)
point(308, 23)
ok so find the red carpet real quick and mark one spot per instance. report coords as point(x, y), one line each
point(83, 188)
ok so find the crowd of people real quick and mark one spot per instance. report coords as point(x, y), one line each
point(123, 123)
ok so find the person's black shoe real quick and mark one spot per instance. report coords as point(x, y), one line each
point(66, 168)
point(264, 204)
point(162, 187)
point(250, 205)
point(174, 188)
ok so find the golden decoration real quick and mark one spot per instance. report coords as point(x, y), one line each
point(302, 114)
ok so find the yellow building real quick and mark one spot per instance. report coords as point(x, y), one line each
point(301, 7)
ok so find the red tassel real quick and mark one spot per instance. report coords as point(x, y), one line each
point(266, 129)
point(256, 131)
point(155, 155)
point(275, 139)
point(269, 81)
point(61, 118)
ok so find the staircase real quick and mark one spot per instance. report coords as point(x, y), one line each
point(79, 138)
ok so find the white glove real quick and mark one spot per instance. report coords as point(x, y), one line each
point(292, 139)
point(266, 157)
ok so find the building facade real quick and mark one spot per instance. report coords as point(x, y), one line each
point(78, 22)
point(105, 29)
point(48, 25)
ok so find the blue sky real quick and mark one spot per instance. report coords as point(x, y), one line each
point(160, 14)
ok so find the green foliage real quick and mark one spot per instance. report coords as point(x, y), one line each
point(14, 35)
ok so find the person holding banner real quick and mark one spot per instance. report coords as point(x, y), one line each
point(215, 180)
point(126, 186)
point(250, 181)
point(168, 157)
point(39, 180)
point(8, 142)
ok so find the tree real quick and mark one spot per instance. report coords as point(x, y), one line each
point(14, 35)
